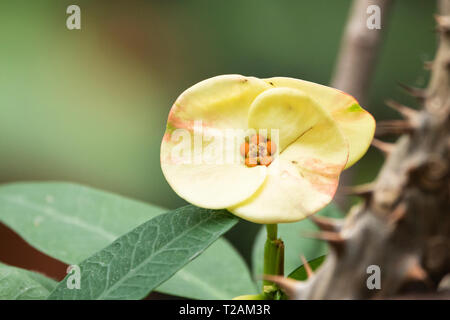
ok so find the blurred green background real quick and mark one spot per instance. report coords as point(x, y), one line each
point(90, 105)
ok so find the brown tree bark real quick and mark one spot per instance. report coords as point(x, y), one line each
point(357, 60)
point(359, 50)
point(403, 227)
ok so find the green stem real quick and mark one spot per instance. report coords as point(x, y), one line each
point(273, 256)
point(272, 231)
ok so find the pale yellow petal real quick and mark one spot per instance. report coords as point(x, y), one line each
point(220, 102)
point(304, 177)
point(197, 159)
point(357, 125)
point(214, 186)
point(289, 111)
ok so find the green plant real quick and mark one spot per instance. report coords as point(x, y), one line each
point(303, 136)
point(125, 249)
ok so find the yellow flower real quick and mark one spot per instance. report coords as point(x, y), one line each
point(316, 131)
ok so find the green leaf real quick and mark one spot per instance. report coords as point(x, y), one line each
point(142, 259)
point(44, 281)
point(300, 273)
point(83, 221)
point(295, 245)
point(219, 273)
point(21, 284)
point(69, 222)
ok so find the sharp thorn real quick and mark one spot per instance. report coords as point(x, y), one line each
point(329, 236)
point(428, 65)
point(405, 111)
point(446, 63)
point(416, 273)
point(443, 23)
point(385, 147)
point(334, 239)
point(393, 127)
point(326, 224)
point(398, 214)
point(362, 190)
point(290, 286)
point(308, 269)
point(415, 92)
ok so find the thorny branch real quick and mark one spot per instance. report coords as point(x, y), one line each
point(403, 226)
point(357, 59)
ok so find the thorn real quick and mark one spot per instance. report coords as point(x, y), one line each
point(416, 273)
point(362, 190)
point(428, 65)
point(290, 286)
point(398, 214)
point(393, 127)
point(415, 92)
point(324, 235)
point(405, 111)
point(308, 269)
point(334, 239)
point(443, 23)
point(326, 224)
point(446, 63)
point(385, 147)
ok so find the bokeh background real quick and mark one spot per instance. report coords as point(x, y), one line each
point(90, 105)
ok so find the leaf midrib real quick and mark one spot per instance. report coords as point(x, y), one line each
point(149, 258)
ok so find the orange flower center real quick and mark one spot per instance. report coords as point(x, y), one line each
point(258, 150)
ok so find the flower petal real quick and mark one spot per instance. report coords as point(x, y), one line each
point(203, 168)
point(357, 125)
point(214, 186)
point(221, 102)
point(290, 111)
point(304, 177)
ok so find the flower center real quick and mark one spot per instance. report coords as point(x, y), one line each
point(258, 150)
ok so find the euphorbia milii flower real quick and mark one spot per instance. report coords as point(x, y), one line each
point(320, 131)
